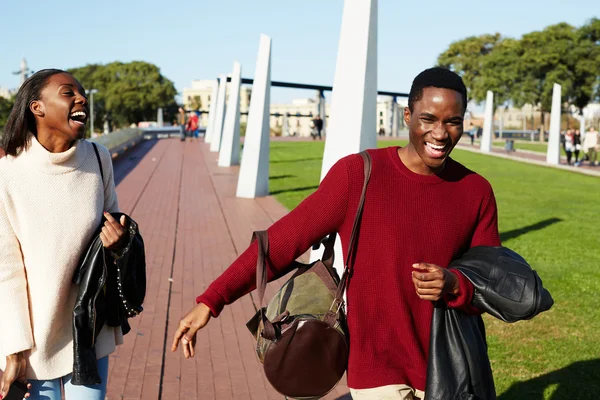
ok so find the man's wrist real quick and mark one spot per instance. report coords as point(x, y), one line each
point(454, 284)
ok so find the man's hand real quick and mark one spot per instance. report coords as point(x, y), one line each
point(16, 365)
point(433, 282)
point(188, 327)
point(113, 232)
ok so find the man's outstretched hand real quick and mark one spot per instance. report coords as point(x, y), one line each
point(188, 327)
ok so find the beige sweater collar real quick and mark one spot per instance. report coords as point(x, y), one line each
point(55, 163)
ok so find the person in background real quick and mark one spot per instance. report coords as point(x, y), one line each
point(577, 146)
point(473, 133)
point(318, 124)
point(568, 145)
point(192, 125)
point(181, 123)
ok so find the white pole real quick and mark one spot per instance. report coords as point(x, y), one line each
point(353, 114)
point(253, 180)
point(230, 146)
point(553, 153)
point(488, 124)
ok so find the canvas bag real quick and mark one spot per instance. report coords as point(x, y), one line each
point(302, 334)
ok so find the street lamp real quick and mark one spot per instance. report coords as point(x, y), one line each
point(91, 93)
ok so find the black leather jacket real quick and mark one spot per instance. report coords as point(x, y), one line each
point(505, 287)
point(112, 287)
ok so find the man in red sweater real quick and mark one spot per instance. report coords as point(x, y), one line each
point(422, 210)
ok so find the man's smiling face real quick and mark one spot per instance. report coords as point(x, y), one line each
point(435, 126)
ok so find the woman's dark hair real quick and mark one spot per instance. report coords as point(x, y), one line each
point(21, 120)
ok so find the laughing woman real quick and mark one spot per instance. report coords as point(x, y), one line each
point(52, 199)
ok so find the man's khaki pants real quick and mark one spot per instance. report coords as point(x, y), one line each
point(390, 392)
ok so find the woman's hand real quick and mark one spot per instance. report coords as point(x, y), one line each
point(16, 364)
point(433, 282)
point(188, 327)
point(113, 232)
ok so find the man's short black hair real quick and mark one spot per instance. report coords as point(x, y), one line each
point(436, 77)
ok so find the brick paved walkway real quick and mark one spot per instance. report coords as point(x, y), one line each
point(193, 227)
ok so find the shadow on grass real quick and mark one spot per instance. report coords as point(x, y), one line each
point(281, 177)
point(299, 189)
point(580, 380)
point(296, 160)
point(535, 227)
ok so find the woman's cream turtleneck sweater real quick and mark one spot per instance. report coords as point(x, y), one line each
point(50, 206)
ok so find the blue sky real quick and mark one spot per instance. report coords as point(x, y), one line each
point(200, 39)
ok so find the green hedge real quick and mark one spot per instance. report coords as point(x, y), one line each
point(117, 138)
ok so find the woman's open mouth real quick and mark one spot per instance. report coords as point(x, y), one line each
point(78, 118)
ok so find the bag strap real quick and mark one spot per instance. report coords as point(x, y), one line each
point(99, 162)
point(262, 240)
point(338, 302)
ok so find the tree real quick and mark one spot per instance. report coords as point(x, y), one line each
point(466, 57)
point(130, 92)
point(586, 87)
point(196, 103)
point(523, 71)
point(6, 106)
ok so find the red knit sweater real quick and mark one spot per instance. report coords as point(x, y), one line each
point(407, 218)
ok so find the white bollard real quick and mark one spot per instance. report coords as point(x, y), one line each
point(230, 144)
point(353, 115)
point(553, 152)
point(488, 124)
point(253, 180)
point(212, 111)
point(215, 140)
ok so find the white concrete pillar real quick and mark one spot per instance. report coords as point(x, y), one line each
point(216, 134)
point(354, 98)
point(253, 180)
point(229, 154)
point(353, 115)
point(553, 153)
point(212, 111)
point(488, 124)
point(159, 117)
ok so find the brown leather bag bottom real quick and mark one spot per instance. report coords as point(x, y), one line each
point(321, 362)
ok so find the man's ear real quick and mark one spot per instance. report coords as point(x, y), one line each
point(37, 108)
point(406, 116)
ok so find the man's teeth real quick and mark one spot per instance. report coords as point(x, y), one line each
point(433, 146)
point(78, 114)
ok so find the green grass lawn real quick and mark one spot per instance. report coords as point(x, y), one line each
point(552, 218)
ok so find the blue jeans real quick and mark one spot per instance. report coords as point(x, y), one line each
point(51, 390)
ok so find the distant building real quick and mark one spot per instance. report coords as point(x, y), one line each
point(201, 92)
point(299, 113)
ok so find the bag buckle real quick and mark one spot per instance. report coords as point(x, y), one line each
point(336, 305)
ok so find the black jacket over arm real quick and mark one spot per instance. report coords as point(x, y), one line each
point(505, 287)
point(112, 287)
